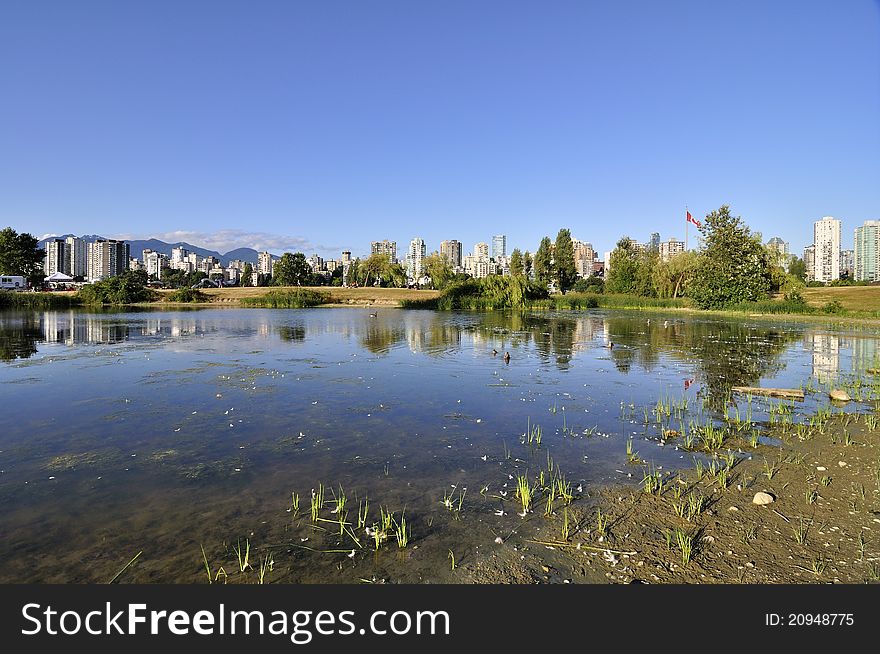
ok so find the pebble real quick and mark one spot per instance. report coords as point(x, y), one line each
point(840, 396)
point(761, 498)
point(820, 468)
point(732, 508)
point(842, 464)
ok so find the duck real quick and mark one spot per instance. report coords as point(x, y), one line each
point(610, 345)
point(507, 357)
point(494, 352)
point(374, 315)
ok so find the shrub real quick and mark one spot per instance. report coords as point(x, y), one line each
point(297, 298)
point(187, 295)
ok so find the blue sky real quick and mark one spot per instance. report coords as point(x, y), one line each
point(321, 126)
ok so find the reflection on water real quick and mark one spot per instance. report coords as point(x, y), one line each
point(177, 428)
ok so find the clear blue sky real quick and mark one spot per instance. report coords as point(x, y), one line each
point(324, 125)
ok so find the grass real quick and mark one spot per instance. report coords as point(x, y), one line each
point(800, 531)
point(126, 567)
point(524, 493)
point(317, 502)
point(601, 523)
point(652, 482)
point(685, 542)
point(295, 298)
point(37, 301)
point(294, 504)
point(243, 554)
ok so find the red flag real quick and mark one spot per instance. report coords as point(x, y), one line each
point(693, 220)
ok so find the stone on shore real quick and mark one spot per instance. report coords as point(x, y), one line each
point(761, 498)
point(839, 396)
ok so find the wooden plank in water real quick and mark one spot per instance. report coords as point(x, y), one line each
point(787, 393)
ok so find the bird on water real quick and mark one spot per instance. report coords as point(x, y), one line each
point(507, 357)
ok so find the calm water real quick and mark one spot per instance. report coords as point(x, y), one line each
point(163, 431)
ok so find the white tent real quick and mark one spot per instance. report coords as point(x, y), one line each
point(58, 277)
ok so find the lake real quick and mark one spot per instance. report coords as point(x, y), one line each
point(194, 436)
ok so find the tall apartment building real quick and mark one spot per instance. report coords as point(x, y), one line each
point(826, 240)
point(847, 264)
point(499, 246)
point(654, 243)
point(386, 247)
point(866, 254)
point(107, 258)
point(76, 257)
point(451, 251)
point(481, 251)
point(53, 261)
point(155, 263)
point(670, 248)
point(264, 263)
point(778, 245)
point(415, 258)
point(584, 256)
point(810, 261)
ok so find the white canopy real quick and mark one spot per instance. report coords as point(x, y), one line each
point(58, 277)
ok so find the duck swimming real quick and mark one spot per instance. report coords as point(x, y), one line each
point(507, 357)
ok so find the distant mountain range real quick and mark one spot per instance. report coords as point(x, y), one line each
point(138, 247)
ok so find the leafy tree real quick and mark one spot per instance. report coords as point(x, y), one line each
point(623, 269)
point(127, 288)
point(543, 262)
point(353, 275)
point(563, 257)
point(590, 284)
point(798, 269)
point(733, 266)
point(291, 270)
point(247, 275)
point(439, 270)
point(516, 262)
point(20, 254)
point(671, 277)
point(527, 264)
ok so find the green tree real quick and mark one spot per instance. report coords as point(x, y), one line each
point(21, 254)
point(671, 277)
point(623, 269)
point(543, 262)
point(798, 268)
point(247, 275)
point(439, 270)
point(563, 257)
point(291, 270)
point(733, 265)
point(527, 264)
point(352, 276)
point(516, 262)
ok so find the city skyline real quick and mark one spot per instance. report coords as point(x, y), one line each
point(287, 128)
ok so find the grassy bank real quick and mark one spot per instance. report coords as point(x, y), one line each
point(296, 298)
point(37, 301)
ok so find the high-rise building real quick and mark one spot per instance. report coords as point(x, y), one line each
point(451, 251)
point(654, 243)
point(415, 258)
point(264, 263)
point(53, 262)
point(670, 248)
point(810, 261)
point(847, 266)
point(155, 263)
point(107, 258)
point(76, 257)
point(386, 247)
point(584, 256)
point(499, 246)
point(346, 257)
point(778, 245)
point(866, 254)
point(481, 251)
point(826, 239)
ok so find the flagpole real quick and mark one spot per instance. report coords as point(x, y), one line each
point(686, 221)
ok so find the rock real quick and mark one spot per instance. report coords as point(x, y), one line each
point(842, 464)
point(732, 508)
point(821, 468)
point(761, 498)
point(839, 396)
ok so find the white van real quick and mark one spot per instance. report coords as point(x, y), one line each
point(12, 282)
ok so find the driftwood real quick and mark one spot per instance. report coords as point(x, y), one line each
point(787, 393)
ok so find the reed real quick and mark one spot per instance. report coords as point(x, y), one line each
point(243, 554)
point(317, 502)
point(267, 564)
point(524, 493)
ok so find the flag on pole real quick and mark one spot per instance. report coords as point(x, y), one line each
point(693, 220)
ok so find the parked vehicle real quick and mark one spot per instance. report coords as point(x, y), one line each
point(13, 282)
